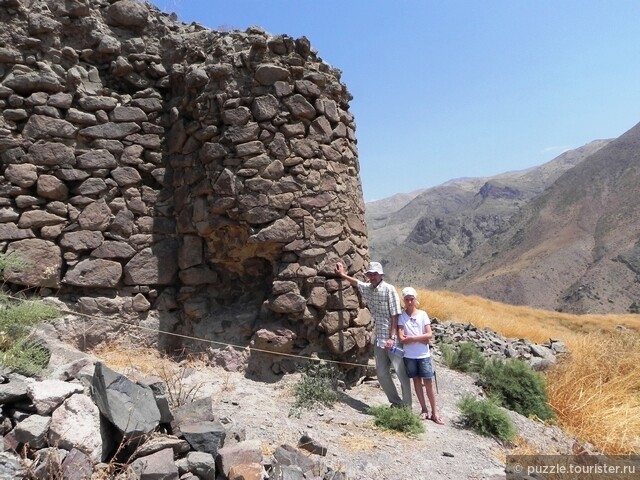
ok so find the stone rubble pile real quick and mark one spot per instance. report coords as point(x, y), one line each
point(494, 345)
point(103, 425)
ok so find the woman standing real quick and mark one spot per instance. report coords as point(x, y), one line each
point(414, 329)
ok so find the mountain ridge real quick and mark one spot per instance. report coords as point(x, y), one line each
point(560, 236)
point(567, 249)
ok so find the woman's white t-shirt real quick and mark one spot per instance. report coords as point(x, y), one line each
point(413, 325)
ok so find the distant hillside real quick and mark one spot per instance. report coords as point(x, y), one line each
point(392, 204)
point(574, 248)
point(495, 236)
point(391, 220)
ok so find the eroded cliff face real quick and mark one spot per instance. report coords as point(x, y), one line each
point(155, 168)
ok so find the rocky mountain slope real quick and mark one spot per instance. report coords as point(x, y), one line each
point(575, 247)
point(391, 220)
point(560, 236)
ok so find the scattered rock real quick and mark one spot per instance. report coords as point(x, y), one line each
point(494, 345)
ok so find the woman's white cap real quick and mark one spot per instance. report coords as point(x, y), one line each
point(409, 292)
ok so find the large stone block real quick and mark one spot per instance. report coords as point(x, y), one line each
point(43, 263)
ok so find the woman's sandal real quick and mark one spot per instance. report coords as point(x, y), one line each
point(425, 416)
point(436, 419)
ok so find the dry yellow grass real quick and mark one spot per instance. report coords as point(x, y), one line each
point(145, 361)
point(596, 393)
point(140, 362)
point(357, 443)
point(517, 321)
point(132, 360)
point(522, 447)
point(596, 390)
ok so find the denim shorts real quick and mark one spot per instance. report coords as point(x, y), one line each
point(419, 367)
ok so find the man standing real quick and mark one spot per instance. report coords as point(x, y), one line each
point(384, 305)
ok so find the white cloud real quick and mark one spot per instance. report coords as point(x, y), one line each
point(557, 148)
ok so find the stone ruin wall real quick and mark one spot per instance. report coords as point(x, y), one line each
point(203, 182)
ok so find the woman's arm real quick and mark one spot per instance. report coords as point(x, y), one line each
point(424, 338)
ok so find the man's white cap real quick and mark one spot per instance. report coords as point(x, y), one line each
point(374, 267)
point(409, 292)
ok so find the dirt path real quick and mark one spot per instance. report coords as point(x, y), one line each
point(355, 446)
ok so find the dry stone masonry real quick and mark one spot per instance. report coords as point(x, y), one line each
point(153, 169)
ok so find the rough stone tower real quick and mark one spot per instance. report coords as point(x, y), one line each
point(205, 181)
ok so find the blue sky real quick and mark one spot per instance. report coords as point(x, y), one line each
point(445, 89)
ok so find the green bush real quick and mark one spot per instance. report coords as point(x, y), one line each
point(18, 318)
point(318, 385)
point(11, 261)
point(486, 418)
point(26, 357)
point(465, 357)
point(517, 387)
point(399, 419)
